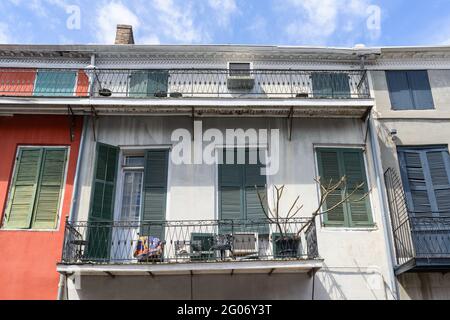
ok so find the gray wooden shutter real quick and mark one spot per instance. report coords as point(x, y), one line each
point(358, 208)
point(420, 89)
point(101, 212)
point(330, 172)
point(23, 189)
point(49, 188)
point(399, 91)
point(155, 193)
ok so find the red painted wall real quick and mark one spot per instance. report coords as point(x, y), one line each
point(28, 258)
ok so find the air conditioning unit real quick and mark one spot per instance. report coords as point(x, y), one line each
point(245, 243)
point(240, 76)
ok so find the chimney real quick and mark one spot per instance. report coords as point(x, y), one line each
point(124, 34)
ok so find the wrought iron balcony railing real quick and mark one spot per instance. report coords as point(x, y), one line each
point(188, 241)
point(184, 83)
point(421, 239)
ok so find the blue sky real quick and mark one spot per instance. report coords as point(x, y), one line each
point(279, 22)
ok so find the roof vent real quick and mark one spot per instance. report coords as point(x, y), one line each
point(124, 34)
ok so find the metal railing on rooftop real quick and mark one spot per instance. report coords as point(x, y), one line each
point(128, 242)
point(185, 83)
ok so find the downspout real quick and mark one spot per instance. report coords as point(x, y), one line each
point(62, 285)
point(384, 211)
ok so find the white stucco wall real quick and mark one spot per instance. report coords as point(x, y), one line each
point(355, 260)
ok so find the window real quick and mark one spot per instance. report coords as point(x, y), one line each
point(238, 197)
point(409, 90)
point(330, 85)
point(133, 174)
point(36, 189)
point(149, 83)
point(333, 165)
point(425, 174)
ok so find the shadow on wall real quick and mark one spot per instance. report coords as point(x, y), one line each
point(425, 286)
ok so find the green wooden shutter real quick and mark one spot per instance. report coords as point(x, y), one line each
point(341, 85)
point(330, 172)
point(23, 190)
point(138, 84)
point(157, 82)
point(49, 188)
point(101, 213)
point(253, 209)
point(230, 190)
point(358, 208)
point(322, 85)
point(334, 164)
point(155, 193)
point(55, 83)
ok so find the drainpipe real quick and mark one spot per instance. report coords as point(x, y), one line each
point(383, 200)
point(62, 286)
point(63, 278)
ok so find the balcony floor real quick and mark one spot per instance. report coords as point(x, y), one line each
point(226, 267)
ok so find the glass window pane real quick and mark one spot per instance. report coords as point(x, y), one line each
point(131, 196)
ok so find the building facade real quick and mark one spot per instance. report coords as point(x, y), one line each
point(118, 176)
point(411, 91)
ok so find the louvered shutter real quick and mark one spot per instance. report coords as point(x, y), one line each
point(49, 188)
point(102, 202)
point(23, 190)
point(157, 82)
point(399, 91)
point(330, 172)
point(155, 193)
point(322, 85)
point(138, 84)
point(420, 89)
point(341, 85)
point(358, 205)
point(439, 165)
point(55, 83)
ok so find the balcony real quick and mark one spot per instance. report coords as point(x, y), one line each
point(158, 90)
point(422, 241)
point(187, 247)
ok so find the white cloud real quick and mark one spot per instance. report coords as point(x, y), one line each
point(4, 33)
point(224, 10)
point(109, 15)
point(317, 20)
point(149, 39)
point(176, 21)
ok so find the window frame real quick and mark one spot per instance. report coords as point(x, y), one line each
point(410, 90)
point(12, 181)
point(370, 223)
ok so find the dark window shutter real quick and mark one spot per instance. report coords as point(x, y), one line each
point(138, 84)
point(101, 213)
point(155, 193)
point(23, 190)
point(358, 205)
point(322, 85)
point(420, 89)
point(399, 90)
point(330, 172)
point(230, 191)
point(341, 85)
point(157, 82)
point(49, 189)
